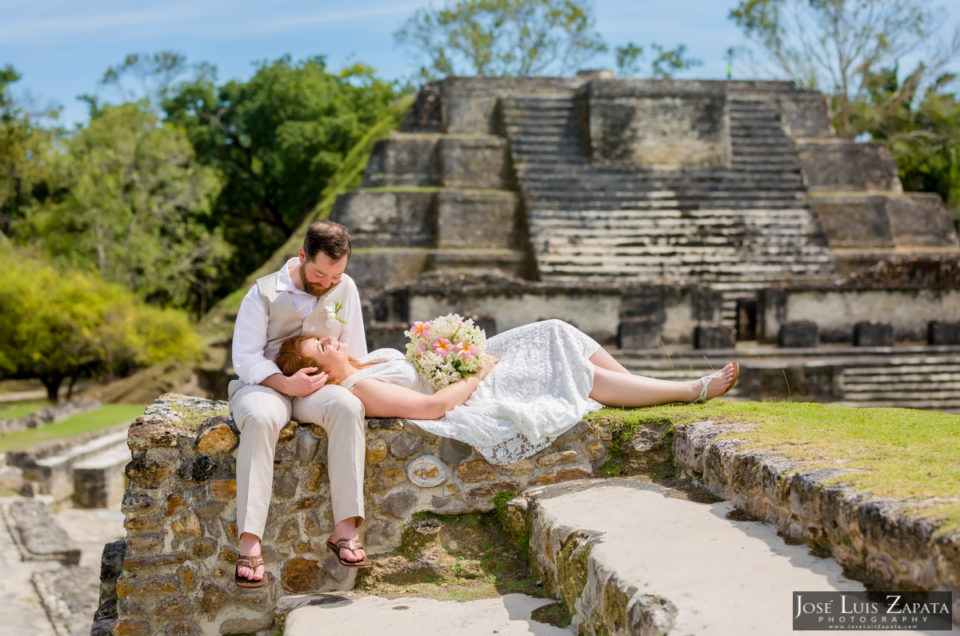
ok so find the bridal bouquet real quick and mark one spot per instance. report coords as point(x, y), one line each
point(445, 349)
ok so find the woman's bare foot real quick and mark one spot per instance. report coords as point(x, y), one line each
point(717, 383)
point(347, 529)
point(250, 546)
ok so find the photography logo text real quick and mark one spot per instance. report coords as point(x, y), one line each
point(872, 610)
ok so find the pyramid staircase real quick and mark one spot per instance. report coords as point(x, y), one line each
point(738, 228)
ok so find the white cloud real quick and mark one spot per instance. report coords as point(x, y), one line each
point(37, 29)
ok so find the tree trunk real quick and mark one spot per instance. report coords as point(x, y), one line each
point(52, 384)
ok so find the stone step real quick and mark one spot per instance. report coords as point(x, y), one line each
point(622, 573)
point(37, 533)
point(54, 474)
point(99, 481)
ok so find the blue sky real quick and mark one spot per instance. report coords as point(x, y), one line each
point(62, 47)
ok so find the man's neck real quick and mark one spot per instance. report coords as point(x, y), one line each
point(293, 271)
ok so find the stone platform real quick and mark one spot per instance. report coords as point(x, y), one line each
point(176, 573)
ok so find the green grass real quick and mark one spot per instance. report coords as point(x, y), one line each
point(19, 409)
point(899, 453)
point(104, 417)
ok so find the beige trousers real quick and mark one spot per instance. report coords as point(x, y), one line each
point(260, 413)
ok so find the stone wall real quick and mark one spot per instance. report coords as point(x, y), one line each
point(634, 316)
point(180, 511)
point(881, 542)
point(658, 123)
point(836, 310)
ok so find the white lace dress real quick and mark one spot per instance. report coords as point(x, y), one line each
point(539, 390)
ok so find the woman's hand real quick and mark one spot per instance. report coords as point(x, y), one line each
point(488, 363)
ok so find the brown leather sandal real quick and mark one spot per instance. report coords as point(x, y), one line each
point(348, 544)
point(252, 561)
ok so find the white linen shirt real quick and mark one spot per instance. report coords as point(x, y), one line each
point(250, 329)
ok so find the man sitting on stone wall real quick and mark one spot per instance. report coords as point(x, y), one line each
point(310, 294)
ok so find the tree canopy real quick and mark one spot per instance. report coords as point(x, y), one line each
point(502, 37)
point(276, 140)
point(836, 45)
point(61, 324)
point(131, 201)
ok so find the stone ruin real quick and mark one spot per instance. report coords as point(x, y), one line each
point(173, 574)
point(673, 220)
point(665, 218)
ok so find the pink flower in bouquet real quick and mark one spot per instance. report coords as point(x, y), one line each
point(466, 350)
point(421, 329)
point(442, 347)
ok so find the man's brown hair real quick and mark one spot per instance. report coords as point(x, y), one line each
point(328, 237)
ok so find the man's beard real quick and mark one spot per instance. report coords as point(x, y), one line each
point(313, 289)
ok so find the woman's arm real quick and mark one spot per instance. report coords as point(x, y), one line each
point(388, 400)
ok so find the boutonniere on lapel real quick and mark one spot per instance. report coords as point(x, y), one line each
point(333, 319)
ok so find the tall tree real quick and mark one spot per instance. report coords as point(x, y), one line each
point(277, 139)
point(59, 325)
point(502, 37)
point(834, 45)
point(25, 155)
point(133, 203)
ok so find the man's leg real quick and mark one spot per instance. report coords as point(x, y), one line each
point(341, 415)
point(259, 413)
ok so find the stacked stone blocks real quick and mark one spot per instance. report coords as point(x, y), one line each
point(180, 511)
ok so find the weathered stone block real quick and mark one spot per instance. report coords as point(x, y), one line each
point(183, 628)
point(246, 625)
point(798, 334)
point(873, 334)
point(943, 333)
point(474, 162)
point(130, 627)
point(199, 468)
point(398, 504)
point(657, 124)
point(302, 575)
point(151, 431)
point(376, 450)
point(453, 451)
point(405, 445)
point(476, 471)
point(404, 160)
point(216, 436)
point(639, 333)
point(146, 472)
point(476, 219)
point(713, 337)
point(564, 457)
point(384, 219)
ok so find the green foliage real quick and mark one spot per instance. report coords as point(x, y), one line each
point(277, 139)
point(348, 175)
point(835, 45)
point(666, 63)
point(133, 203)
point(106, 416)
point(922, 133)
point(62, 324)
point(502, 37)
point(899, 453)
point(25, 153)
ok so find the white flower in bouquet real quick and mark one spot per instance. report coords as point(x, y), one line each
point(445, 349)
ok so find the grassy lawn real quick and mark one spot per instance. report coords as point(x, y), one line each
point(104, 417)
point(901, 453)
point(19, 409)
